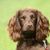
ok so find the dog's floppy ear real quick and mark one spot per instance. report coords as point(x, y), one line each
point(42, 26)
point(14, 27)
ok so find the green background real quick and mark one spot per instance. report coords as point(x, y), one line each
point(8, 9)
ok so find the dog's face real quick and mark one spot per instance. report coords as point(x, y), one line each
point(28, 20)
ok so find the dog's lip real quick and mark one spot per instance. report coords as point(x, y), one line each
point(28, 31)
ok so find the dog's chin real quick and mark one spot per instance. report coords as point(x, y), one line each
point(28, 34)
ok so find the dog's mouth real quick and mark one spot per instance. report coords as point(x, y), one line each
point(28, 34)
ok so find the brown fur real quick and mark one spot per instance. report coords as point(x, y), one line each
point(28, 20)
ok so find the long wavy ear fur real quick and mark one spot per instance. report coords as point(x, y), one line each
point(42, 26)
point(14, 27)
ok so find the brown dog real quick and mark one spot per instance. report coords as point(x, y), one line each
point(30, 27)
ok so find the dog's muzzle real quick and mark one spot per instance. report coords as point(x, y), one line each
point(28, 34)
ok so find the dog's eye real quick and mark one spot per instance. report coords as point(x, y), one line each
point(32, 16)
point(23, 17)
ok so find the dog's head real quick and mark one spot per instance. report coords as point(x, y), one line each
point(28, 22)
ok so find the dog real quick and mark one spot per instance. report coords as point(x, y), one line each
point(30, 27)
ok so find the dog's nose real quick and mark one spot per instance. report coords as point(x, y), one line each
point(29, 25)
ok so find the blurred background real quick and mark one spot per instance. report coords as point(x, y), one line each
point(8, 9)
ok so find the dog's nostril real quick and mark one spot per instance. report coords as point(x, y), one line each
point(29, 26)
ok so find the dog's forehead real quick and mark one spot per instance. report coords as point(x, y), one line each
point(27, 12)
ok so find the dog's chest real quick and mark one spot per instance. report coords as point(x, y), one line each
point(24, 46)
point(30, 48)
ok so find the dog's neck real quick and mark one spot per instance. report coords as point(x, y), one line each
point(32, 42)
